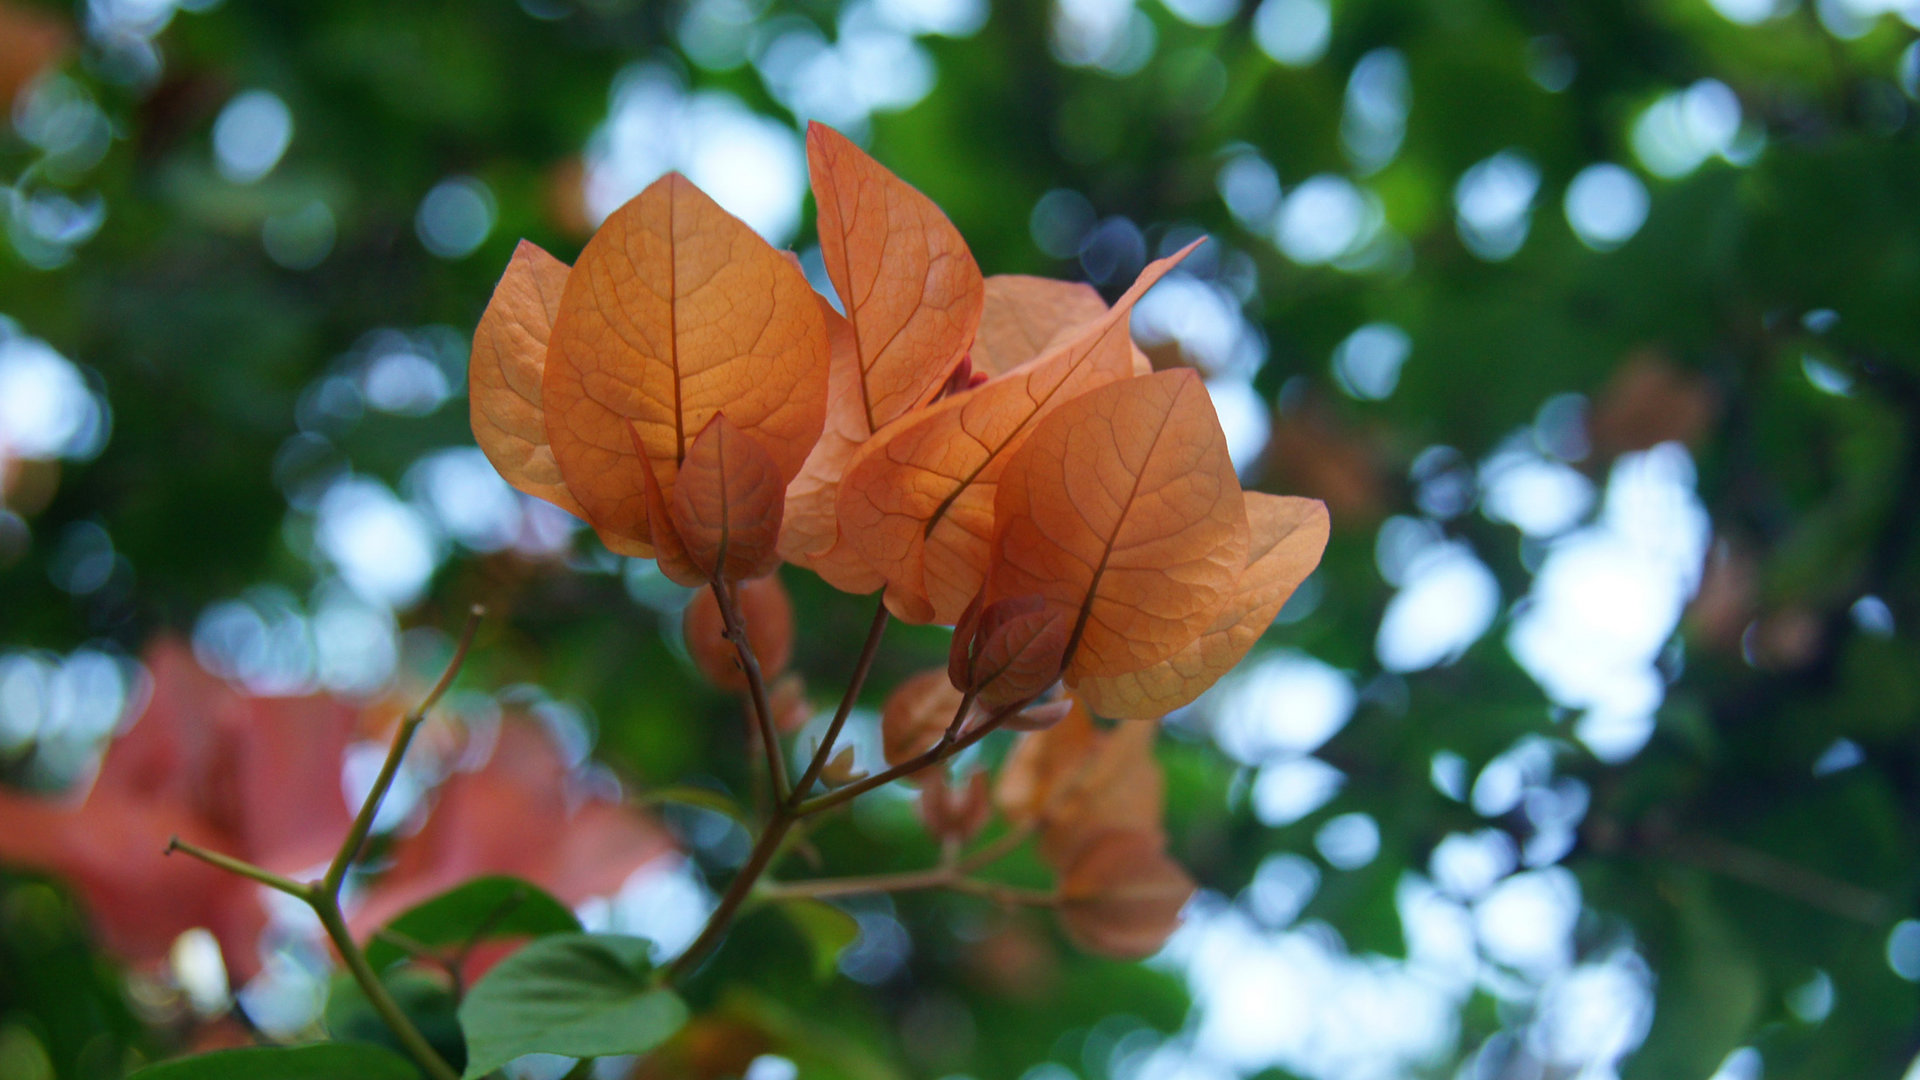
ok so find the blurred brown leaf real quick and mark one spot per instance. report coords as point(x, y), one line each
point(1121, 896)
point(525, 814)
point(1649, 401)
point(916, 714)
point(32, 39)
point(256, 778)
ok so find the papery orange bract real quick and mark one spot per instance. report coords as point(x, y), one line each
point(1040, 763)
point(1073, 781)
point(675, 311)
point(912, 296)
point(504, 375)
point(768, 614)
point(810, 529)
point(918, 500)
point(1124, 513)
point(1023, 315)
point(724, 516)
point(916, 714)
point(1121, 896)
point(1287, 536)
point(911, 291)
point(1116, 785)
point(258, 778)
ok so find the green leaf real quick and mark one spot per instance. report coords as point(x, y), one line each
point(486, 907)
point(317, 1061)
point(423, 996)
point(699, 797)
point(581, 995)
point(827, 929)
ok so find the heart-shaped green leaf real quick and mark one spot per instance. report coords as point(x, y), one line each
point(478, 910)
point(581, 995)
point(317, 1061)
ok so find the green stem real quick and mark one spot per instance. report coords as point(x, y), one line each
point(861, 667)
point(241, 867)
point(756, 688)
point(737, 892)
point(328, 908)
point(791, 810)
point(323, 896)
point(1010, 895)
point(370, 807)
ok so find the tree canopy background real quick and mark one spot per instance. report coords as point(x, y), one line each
point(1591, 746)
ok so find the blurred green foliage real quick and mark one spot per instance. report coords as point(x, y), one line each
point(1718, 853)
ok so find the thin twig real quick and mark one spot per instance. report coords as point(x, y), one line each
point(861, 667)
point(821, 888)
point(787, 813)
point(413, 947)
point(1010, 895)
point(370, 806)
point(995, 850)
point(736, 631)
point(323, 896)
point(950, 744)
point(1777, 875)
point(241, 867)
point(757, 862)
point(952, 873)
point(327, 906)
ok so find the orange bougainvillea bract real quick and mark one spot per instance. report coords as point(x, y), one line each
point(676, 313)
point(990, 453)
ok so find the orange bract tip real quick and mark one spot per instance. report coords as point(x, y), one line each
point(912, 297)
point(918, 500)
point(726, 504)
